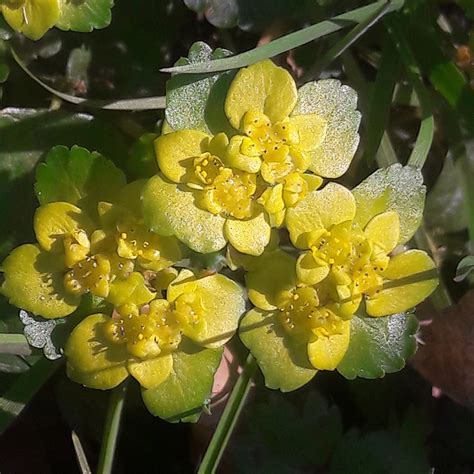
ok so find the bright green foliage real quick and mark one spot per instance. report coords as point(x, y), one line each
point(79, 177)
point(84, 15)
point(379, 346)
point(182, 394)
point(34, 18)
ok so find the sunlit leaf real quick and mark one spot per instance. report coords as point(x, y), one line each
point(379, 345)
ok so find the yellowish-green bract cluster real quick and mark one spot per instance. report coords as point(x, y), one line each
point(238, 192)
point(33, 18)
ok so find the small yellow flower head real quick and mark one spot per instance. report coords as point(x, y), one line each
point(285, 140)
point(145, 340)
point(345, 257)
point(114, 257)
point(33, 18)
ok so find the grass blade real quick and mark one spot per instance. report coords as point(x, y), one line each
point(111, 429)
point(290, 41)
point(337, 49)
point(80, 454)
point(381, 100)
point(228, 419)
point(426, 132)
point(146, 103)
point(14, 344)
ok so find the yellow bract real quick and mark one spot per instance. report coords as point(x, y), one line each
point(116, 259)
point(313, 298)
point(33, 18)
point(139, 338)
point(262, 168)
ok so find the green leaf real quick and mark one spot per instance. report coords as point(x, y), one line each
point(85, 15)
point(396, 188)
point(381, 99)
point(379, 345)
point(445, 204)
point(465, 266)
point(25, 135)
point(426, 132)
point(284, 363)
point(427, 41)
point(182, 395)
point(290, 41)
point(78, 176)
point(187, 97)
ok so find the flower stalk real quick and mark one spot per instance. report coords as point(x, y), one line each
point(111, 429)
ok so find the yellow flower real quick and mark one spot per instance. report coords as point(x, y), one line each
point(235, 188)
point(33, 18)
point(310, 300)
point(160, 341)
point(112, 259)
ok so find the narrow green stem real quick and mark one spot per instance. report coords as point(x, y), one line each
point(111, 429)
point(229, 418)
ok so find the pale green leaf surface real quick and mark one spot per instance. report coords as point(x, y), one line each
point(170, 210)
point(284, 362)
point(396, 188)
point(189, 385)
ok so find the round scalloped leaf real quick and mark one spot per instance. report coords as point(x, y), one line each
point(187, 95)
point(170, 210)
point(34, 282)
point(284, 363)
point(78, 176)
point(396, 188)
point(336, 104)
point(183, 394)
point(85, 15)
point(379, 346)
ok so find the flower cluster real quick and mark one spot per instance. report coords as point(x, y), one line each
point(236, 188)
point(318, 258)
